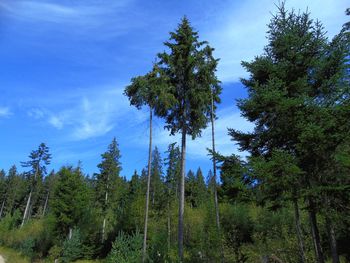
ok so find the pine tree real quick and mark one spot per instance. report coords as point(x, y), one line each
point(156, 187)
point(69, 201)
point(196, 191)
point(106, 180)
point(38, 161)
point(290, 90)
point(172, 179)
point(148, 90)
point(2, 191)
point(189, 73)
point(172, 162)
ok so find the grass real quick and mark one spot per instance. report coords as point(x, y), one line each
point(88, 261)
point(12, 256)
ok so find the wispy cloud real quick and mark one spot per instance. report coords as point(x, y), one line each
point(197, 149)
point(56, 122)
point(88, 115)
point(36, 113)
point(5, 112)
point(81, 17)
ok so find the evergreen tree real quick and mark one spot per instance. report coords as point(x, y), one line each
point(290, 89)
point(201, 191)
point(147, 90)
point(190, 188)
point(172, 162)
point(196, 190)
point(156, 179)
point(107, 179)
point(38, 161)
point(172, 179)
point(189, 73)
point(49, 184)
point(2, 191)
point(69, 201)
point(16, 191)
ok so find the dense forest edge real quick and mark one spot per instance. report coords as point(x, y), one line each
point(287, 201)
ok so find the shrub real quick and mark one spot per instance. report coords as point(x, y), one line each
point(126, 248)
point(72, 248)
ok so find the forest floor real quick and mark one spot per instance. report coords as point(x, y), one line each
point(2, 260)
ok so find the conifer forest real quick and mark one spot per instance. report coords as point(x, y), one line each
point(285, 199)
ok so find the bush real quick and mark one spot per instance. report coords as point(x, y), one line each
point(72, 248)
point(126, 248)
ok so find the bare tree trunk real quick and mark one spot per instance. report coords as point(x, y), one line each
point(103, 230)
point(169, 229)
point(216, 203)
point(144, 248)
point(2, 208)
point(45, 205)
point(26, 211)
point(299, 232)
point(104, 219)
point(315, 233)
point(182, 194)
point(70, 234)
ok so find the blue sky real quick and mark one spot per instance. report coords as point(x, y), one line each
point(64, 65)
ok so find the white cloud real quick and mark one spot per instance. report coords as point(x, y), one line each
point(242, 33)
point(36, 113)
point(56, 122)
point(78, 18)
point(5, 112)
point(91, 115)
point(197, 149)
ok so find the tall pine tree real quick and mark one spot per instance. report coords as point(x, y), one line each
point(189, 73)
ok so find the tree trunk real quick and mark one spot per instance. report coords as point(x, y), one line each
point(104, 219)
point(216, 203)
point(168, 224)
point(332, 240)
point(28, 206)
point(182, 194)
point(331, 233)
point(26, 211)
point(144, 248)
point(299, 232)
point(103, 230)
point(315, 233)
point(45, 205)
point(70, 234)
point(2, 208)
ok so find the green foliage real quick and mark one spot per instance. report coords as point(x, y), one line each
point(72, 248)
point(157, 188)
point(297, 170)
point(69, 201)
point(13, 256)
point(189, 73)
point(126, 248)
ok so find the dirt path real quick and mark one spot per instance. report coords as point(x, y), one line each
point(2, 260)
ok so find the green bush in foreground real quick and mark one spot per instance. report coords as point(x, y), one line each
point(126, 248)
